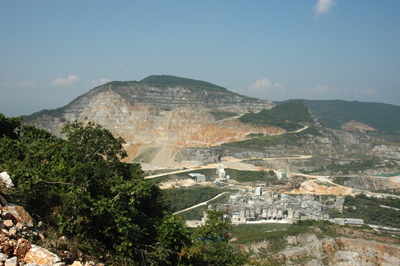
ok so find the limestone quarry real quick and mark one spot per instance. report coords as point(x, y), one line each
point(160, 116)
point(177, 129)
point(158, 119)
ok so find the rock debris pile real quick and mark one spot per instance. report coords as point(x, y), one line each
point(17, 228)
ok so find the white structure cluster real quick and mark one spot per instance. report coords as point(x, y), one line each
point(266, 206)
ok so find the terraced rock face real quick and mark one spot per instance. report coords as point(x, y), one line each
point(349, 247)
point(150, 115)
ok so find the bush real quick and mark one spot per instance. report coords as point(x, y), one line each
point(81, 189)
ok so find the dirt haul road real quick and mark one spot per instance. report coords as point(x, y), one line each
point(233, 163)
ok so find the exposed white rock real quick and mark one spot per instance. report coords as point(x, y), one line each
point(11, 261)
point(41, 256)
point(6, 179)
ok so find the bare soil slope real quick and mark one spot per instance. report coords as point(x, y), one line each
point(357, 126)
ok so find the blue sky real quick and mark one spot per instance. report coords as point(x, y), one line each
point(53, 51)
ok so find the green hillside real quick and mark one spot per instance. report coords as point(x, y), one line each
point(287, 116)
point(259, 144)
point(172, 81)
point(335, 113)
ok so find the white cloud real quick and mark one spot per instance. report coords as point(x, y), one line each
point(65, 81)
point(323, 6)
point(320, 89)
point(97, 83)
point(102, 81)
point(280, 87)
point(262, 84)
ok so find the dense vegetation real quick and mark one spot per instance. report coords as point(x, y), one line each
point(171, 81)
point(54, 112)
point(353, 167)
point(386, 138)
point(179, 199)
point(287, 116)
point(198, 212)
point(371, 212)
point(284, 139)
point(254, 135)
point(335, 113)
point(80, 189)
point(251, 176)
point(340, 180)
point(258, 232)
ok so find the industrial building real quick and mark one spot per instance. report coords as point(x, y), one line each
point(349, 221)
point(264, 205)
point(352, 221)
point(198, 177)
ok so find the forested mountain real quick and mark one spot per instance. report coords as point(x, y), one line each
point(335, 113)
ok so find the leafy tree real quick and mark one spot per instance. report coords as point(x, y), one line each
point(210, 246)
point(8, 126)
point(271, 173)
point(81, 186)
point(31, 160)
point(173, 236)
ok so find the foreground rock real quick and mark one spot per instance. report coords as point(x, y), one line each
point(17, 228)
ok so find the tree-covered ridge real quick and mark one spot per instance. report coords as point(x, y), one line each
point(371, 210)
point(167, 81)
point(258, 144)
point(172, 81)
point(335, 113)
point(287, 116)
point(53, 112)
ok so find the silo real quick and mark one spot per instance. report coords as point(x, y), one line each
point(274, 213)
point(290, 214)
point(280, 214)
point(242, 215)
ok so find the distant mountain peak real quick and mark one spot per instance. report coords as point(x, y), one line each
point(174, 81)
